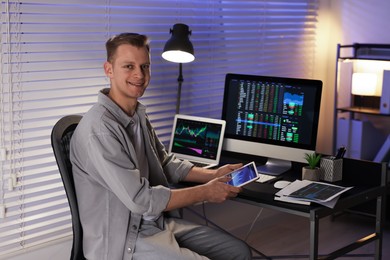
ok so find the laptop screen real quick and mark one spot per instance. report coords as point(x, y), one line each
point(197, 138)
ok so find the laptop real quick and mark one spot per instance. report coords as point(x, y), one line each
point(197, 139)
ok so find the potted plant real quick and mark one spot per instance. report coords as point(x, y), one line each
point(312, 171)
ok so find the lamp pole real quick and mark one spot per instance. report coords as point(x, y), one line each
point(180, 80)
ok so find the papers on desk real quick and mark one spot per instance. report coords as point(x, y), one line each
point(305, 192)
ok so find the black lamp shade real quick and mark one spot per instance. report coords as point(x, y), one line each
point(178, 48)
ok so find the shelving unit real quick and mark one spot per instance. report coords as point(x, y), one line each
point(347, 105)
point(346, 108)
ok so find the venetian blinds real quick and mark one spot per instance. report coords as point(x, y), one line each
point(52, 53)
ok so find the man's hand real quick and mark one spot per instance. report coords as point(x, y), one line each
point(203, 175)
point(218, 191)
point(225, 169)
point(215, 189)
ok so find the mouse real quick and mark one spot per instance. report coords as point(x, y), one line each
point(281, 184)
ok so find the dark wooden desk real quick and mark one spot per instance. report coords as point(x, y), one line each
point(369, 180)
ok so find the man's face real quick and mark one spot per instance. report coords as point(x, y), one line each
point(129, 71)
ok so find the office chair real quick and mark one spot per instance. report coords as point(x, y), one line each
point(60, 139)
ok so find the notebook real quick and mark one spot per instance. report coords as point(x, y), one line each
point(197, 139)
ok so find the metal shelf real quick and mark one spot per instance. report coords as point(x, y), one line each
point(357, 51)
point(362, 110)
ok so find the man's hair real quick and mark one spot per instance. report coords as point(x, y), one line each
point(134, 39)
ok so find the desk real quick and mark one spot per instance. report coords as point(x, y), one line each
point(366, 189)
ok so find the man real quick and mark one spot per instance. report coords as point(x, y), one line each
point(122, 174)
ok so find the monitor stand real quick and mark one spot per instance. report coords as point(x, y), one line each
point(274, 167)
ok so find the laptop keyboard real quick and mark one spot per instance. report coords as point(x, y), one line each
point(199, 164)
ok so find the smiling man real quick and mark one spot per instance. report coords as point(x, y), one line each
point(122, 174)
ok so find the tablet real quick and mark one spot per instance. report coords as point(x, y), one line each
point(243, 175)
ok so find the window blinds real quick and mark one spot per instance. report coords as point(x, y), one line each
point(52, 53)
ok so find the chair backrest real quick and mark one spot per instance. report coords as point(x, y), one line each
point(60, 140)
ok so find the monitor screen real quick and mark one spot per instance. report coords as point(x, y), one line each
point(272, 117)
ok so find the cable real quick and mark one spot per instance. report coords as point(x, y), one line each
point(204, 213)
point(253, 223)
point(262, 256)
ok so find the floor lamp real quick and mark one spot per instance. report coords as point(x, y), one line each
point(179, 49)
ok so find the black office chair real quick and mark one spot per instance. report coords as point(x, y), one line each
point(60, 139)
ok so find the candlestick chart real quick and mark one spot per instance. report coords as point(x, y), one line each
point(196, 139)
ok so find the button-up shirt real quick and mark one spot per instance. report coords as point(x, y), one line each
point(112, 194)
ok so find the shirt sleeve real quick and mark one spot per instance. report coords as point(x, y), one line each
point(175, 170)
point(114, 168)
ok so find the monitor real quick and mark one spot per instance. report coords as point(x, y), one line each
point(272, 117)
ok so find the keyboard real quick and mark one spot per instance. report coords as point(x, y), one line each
point(265, 177)
point(200, 164)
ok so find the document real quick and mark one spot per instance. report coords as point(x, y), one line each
point(310, 191)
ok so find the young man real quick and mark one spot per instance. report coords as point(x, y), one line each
point(122, 174)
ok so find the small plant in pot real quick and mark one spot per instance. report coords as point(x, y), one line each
point(312, 171)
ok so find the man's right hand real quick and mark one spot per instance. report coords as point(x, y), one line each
point(217, 190)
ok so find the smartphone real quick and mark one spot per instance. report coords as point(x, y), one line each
point(243, 175)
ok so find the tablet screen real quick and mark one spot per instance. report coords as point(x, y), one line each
point(243, 175)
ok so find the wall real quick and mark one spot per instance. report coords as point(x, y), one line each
point(344, 22)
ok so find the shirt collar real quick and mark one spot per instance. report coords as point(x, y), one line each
point(113, 108)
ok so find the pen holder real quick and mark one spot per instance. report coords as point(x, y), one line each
point(331, 169)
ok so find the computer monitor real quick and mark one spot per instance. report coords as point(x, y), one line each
point(271, 117)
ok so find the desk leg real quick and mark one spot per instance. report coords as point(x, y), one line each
point(314, 229)
point(380, 209)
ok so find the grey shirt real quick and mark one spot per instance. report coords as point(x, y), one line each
point(113, 195)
